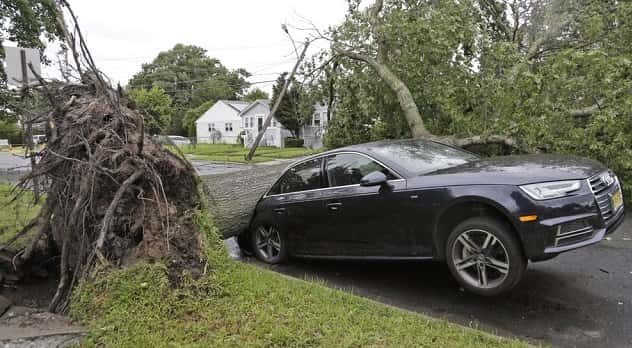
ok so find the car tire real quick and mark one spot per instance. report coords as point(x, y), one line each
point(269, 244)
point(484, 256)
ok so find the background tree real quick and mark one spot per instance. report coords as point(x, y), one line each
point(296, 107)
point(193, 114)
point(190, 78)
point(255, 94)
point(156, 105)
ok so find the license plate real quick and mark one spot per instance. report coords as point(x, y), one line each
point(617, 200)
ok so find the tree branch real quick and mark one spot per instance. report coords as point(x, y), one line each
point(405, 98)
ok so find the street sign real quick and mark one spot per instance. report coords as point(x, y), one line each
point(15, 69)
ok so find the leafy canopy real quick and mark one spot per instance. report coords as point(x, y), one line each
point(255, 94)
point(156, 104)
point(553, 74)
point(296, 107)
point(190, 78)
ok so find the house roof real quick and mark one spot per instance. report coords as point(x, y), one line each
point(264, 102)
point(238, 105)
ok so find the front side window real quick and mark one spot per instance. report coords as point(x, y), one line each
point(211, 127)
point(316, 120)
point(302, 177)
point(348, 169)
point(229, 127)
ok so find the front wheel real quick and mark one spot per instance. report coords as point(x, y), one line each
point(269, 244)
point(484, 256)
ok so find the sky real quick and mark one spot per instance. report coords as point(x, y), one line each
point(240, 33)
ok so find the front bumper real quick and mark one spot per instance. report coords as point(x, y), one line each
point(596, 237)
point(568, 223)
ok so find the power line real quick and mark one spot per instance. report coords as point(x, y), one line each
point(227, 48)
point(202, 80)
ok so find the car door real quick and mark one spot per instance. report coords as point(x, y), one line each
point(297, 206)
point(364, 221)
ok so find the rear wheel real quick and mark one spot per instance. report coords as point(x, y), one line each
point(484, 256)
point(269, 244)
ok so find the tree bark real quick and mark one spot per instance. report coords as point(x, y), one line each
point(232, 197)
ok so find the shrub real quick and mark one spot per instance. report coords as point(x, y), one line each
point(294, 142)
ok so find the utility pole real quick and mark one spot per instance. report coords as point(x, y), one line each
point(29, 126)
point(266, 124)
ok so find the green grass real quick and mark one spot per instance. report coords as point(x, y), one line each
point(240, 305)
point(14, 214)
point(236, 153)
point(18, 150)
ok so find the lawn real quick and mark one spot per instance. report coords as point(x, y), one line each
point(240, 305)
point(14, 213)
point(236, 153)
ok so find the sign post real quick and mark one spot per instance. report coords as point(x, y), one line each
point(17, 61)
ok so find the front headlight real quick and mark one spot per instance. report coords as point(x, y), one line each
point(554, 189)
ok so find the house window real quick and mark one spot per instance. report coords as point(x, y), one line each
point(229, 127)
point(211, 127)
point(316, 120)
point(259, 124)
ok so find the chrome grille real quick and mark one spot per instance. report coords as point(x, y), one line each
point(602, 186)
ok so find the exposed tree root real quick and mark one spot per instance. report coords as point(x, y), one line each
point(114, 195)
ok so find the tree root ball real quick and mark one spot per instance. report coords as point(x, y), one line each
point(113, 195)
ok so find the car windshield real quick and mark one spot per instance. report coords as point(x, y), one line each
point(422, 156)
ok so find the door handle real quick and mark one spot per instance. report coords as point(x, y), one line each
point(279, 210)
point(334, 206)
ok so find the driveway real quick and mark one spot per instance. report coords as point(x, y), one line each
point(579, 299)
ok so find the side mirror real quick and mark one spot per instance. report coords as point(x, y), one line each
point(375, 178)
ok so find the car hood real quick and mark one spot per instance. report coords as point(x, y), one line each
point(514, 170)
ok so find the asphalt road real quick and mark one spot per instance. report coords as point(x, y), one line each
point(11, 164)
point(579, 299)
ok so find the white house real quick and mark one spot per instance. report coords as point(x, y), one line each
point(253, 117)
point(221, 123)
point(227, 120)
point(313, 132)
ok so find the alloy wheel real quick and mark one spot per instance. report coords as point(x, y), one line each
point(480, 259)
point(268, 242)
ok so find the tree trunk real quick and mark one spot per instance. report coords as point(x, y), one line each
point(232, 197)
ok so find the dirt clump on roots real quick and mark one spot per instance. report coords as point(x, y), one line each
point(114, 195)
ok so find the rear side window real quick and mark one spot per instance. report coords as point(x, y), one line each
point(302, 177)
point(349, 169)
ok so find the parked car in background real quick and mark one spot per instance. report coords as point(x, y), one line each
point(39, 139)
point(179, 140)
point(420, 200)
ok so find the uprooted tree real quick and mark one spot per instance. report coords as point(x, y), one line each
point(113, 194)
